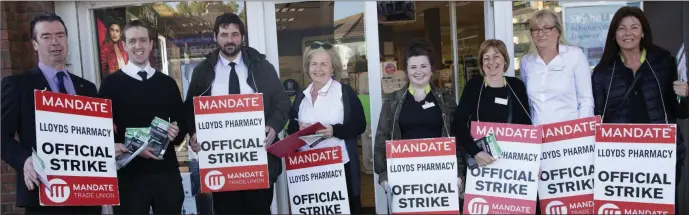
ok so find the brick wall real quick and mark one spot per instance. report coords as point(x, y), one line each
point(17, 56)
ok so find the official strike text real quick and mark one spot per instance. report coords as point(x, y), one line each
point(634, 184)
point(216, 150)
point(514, 177)
point(412, 192)
point(73, 150)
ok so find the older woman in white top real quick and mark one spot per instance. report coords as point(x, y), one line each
point(557, 76)
point(337, 107)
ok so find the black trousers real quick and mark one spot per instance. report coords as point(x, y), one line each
point(62, 210)
point(244, 201)
point(163, 192)
point(354, 201)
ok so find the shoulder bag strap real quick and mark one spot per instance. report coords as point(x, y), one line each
point(629, 90)
point(509, 108)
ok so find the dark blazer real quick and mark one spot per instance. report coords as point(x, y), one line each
point(18, 117)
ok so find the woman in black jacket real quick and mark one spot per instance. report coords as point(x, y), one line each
point(636, 81)
point(490, 98)
point(337, 107)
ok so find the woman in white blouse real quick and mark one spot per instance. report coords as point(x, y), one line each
point(557, 76)
point(337, 107)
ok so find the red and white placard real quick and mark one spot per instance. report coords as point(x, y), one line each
point(566, 179)
point(74, 139)
point(231, 132)
point(422, 175)
point(317, 182)
point(635, 169)
point(510, 184)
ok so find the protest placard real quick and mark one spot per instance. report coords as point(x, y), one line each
point(422, 175)
point(510, 184)
point(635, 169)
point(566, 180)
point(74, 139)
point(231, 132)
point(317, 182)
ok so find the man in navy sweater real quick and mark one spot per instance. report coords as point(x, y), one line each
point(139, 93)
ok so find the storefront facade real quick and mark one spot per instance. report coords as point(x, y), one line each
point(370, 37)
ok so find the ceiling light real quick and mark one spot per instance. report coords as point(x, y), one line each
point(300, 9)
point(290, 19)
point(277, 10)
point(292, 10)
point(285, 9)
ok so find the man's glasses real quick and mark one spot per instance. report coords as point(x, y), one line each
point(317, 45)
point(545, 29)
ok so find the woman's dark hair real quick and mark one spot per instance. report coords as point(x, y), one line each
point(611, 48)
point(419, 47)
point(108, 38)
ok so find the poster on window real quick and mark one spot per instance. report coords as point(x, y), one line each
point(111, 52)
point(586, 26)
point(635, 169)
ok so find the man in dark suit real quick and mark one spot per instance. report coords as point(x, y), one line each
point(49, 38)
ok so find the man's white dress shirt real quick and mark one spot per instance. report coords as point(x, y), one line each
point(133, 70)
point(221, 83)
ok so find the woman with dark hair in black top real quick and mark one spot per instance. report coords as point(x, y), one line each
point(419, 110)
point(636, 82)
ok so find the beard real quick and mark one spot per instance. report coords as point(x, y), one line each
point(235, 50)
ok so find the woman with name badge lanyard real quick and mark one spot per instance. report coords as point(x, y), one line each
point(557, 76)
point(337, 107)
point(636, 81)
point(417, 111)
point(490, 98)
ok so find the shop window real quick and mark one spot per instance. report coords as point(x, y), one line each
point(182, 34)
point(585, 25)
point(400, 22)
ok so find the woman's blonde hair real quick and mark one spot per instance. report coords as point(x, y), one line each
point(318, 46)
point(539, 16)
point(499, 46)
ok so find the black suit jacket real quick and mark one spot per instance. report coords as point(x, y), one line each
point(18, 117)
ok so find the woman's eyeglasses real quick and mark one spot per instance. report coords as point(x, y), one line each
point(545, 29)
point(325, 46)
